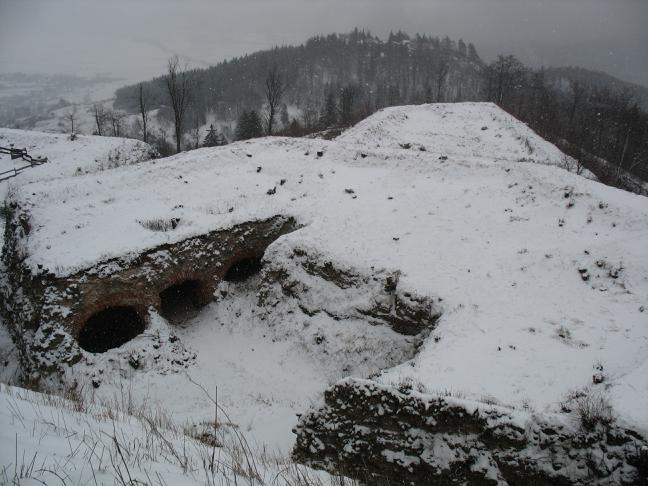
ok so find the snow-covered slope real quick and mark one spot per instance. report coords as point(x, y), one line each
point(543, 274)
point(84, 155)
point(49, 440)
point(457, 130)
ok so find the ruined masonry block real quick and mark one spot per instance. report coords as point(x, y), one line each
point(397, 435)
point(48, 315)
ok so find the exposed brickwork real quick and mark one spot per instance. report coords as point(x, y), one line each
point(46, 313)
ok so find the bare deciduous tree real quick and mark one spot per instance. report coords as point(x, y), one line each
point(348, 97)
point(179, 88)
point(100, 118)
point(71, 116)
point(309, 117)
point(144, 112)
point(275, 87)
point(116, 121)
point(195, 135)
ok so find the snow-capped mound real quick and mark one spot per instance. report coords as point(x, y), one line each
point(455, 129)
point(85, 154)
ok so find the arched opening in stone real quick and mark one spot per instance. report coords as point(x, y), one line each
point(243, 269)
point(110, 328)
point(181, 301)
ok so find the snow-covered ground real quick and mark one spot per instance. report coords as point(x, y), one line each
point(86, 154)
point(543, 274)
point(68, 157)
point(265, 375)
point(262, 382)
point(50, 440)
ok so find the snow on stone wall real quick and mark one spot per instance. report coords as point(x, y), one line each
point(404, 436)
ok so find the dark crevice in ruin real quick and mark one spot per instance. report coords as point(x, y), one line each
point(110, 328)
point(244, 269)
point(181, 301)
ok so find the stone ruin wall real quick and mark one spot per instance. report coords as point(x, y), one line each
point(384, 434)
point(46, 314)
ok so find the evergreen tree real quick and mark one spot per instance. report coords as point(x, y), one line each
point(249, 126)
point(294, 129)
point(242, 126)
point(255, 127)
point(241, 130)
point(214, 138)
point(329, 114)
point(348, 97)
point(472, 52)
point(461, 48)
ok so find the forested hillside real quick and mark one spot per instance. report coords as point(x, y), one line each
point(398, 71)
point(336, 80)
point(565, 76)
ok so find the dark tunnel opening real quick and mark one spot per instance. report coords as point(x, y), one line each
point(243, 269)
point(181, 301)
point(110, 328)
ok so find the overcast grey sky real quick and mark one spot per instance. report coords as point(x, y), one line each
point(133, 38)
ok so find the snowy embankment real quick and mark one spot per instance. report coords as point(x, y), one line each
point(542, 275)
point(45, 439)
point(86, 154)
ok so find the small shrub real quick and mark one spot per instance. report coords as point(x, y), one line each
point(563, 333)
point(489, 400)
point(405, 385)
point(527, 144)
point(160, 224)
point(446, 392)
point(593, 408)
point(568, 404)
point(527, 405)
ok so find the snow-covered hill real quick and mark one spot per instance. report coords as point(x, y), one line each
point(541, 275)
point(86, 154)
point(457, 130)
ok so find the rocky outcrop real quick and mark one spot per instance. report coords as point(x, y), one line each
point(317, 285)
point(356, 321)
point(397, 435)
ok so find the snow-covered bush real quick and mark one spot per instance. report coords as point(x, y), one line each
point(593, 408)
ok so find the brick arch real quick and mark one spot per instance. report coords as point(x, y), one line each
point(242, 255)
point(105, 302)
point(206, 285)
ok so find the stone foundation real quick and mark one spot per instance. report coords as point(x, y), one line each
point(382, 434)
point(46, 313)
